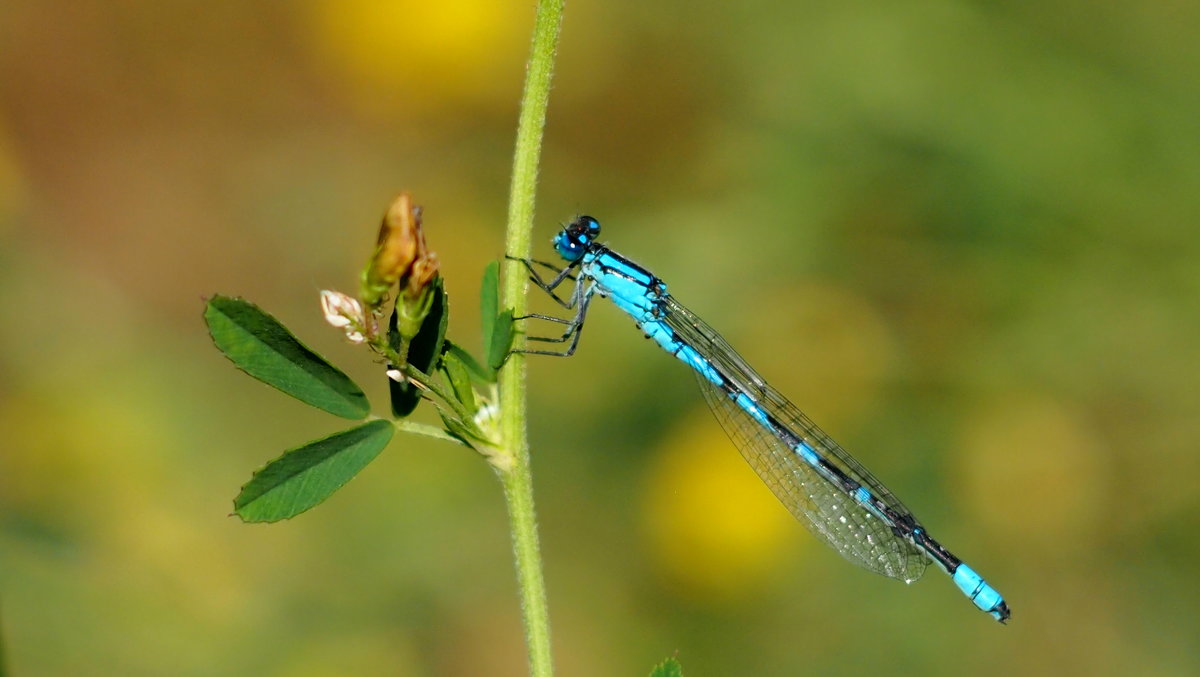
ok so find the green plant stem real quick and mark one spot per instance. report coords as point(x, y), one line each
point(517, 481)
point(423, 429)
point(426, 381)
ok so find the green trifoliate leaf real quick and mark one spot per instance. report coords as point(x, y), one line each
point(263, 348)
point(306, 476)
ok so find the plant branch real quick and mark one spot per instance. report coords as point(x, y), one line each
point(426, 430)
point(517, 480)
point(424, 381)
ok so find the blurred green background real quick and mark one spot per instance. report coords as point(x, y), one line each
point(961, 235)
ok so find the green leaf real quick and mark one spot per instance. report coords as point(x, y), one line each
point(497, 325)
point(263, 348)
point(426, 346)
point(466, 432)
point(306, 476)
point(455, 429)
point(489, 302)
point(502, 336)
point(667, 668)
point(423, 351)
point(460, 380)
point(477, 370)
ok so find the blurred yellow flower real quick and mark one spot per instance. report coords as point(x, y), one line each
point(353, 654)
point(401, 55)
point(81, 462)
point(1031, 469)
point(713, 526)
point(186, 553)
point(828, 352)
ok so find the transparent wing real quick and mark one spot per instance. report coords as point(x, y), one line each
point(821, 505)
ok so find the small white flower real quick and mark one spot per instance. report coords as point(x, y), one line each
point(396, 375)
point(340, 310)
point(345, 313)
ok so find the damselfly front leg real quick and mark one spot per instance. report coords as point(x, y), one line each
point(549, 287)
point(579, 300)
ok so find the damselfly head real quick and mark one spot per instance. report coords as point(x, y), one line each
point(576, 237)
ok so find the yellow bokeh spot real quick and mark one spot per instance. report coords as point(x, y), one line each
point(828, 353)
point(361, 654)
point(184, 553)
point(713, 526)
point(403, 55)
point(78, 461)
point(1031, 469)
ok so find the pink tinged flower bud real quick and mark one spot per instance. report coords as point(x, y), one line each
point(340, 310)
point(345, 313)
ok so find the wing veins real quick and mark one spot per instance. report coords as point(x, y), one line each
point(821, 505)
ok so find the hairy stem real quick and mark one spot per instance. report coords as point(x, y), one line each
point(517, 480)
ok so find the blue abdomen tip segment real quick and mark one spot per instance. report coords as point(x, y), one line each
point(983, 595)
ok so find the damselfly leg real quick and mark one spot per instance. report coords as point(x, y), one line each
point(580, 298)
